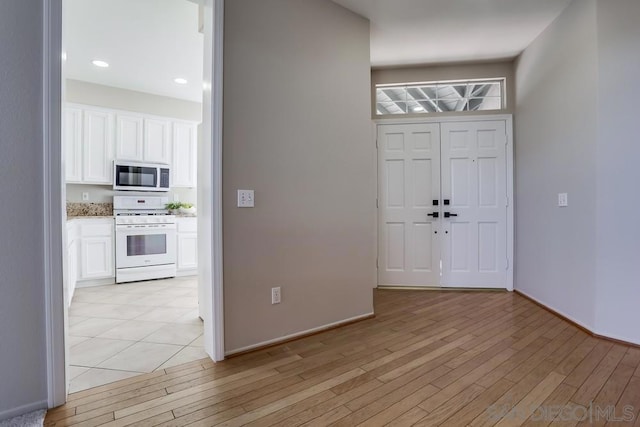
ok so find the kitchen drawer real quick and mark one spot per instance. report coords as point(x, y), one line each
point(187, 225)
point(89, 229)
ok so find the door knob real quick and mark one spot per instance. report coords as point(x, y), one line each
point(448, 214)
point(435, 214)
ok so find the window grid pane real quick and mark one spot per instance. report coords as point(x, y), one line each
point(443, 97)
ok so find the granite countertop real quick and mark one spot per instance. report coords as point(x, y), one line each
point(93, 210)
point(69, 218)
point(101, 210)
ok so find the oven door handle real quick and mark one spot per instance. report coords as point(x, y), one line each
point(125, 228)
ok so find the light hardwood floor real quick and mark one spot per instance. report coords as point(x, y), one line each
point(428, 358)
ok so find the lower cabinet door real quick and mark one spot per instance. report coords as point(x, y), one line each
point(187, 251)
point(96, 257)
point(72, 270)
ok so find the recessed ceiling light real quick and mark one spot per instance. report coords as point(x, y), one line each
point(180, 81)
point(418, 109)
point(99, 63)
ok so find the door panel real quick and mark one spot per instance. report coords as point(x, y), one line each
point(488, 247)
point(409, 181)
point(395, 183)
point(474, 179)
point(98, 147)
point(395, 247)
point(129, 137)
point(422, 235)
point(157, 143)
point(422, 172)
point(72, 137)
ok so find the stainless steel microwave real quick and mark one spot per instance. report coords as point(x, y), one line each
point(135, 176)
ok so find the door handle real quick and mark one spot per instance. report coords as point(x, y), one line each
point(448, 214)
point(435, 214)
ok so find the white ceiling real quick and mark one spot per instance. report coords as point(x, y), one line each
point(408, 32)
point(147, 43)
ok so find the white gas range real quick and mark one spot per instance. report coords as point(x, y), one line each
point(145, 238)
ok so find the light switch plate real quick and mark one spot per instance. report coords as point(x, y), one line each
point(245, 199)
point(563, 200)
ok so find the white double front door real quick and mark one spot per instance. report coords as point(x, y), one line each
point(443, 204)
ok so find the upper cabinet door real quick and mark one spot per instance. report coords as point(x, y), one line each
point(185, 152)
point(157, 140)
point(98, 146)
point(72, 140)
point(129, 136)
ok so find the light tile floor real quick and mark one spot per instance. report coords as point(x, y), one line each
point(119, 331)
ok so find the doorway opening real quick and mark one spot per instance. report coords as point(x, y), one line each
point(115, 116)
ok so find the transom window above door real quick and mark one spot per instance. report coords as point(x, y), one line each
point(440, 97)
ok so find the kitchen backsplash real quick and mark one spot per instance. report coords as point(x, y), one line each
point(89, 209)
point(105, 193)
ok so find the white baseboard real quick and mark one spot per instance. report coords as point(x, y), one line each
point(185, 273)
point(560, 312)
point(90, 283)
point(297, 334)
point(21, 410)
point(617, 337)
point(594, 331)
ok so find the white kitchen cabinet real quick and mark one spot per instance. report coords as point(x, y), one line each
point(185, 152)
point(187, 246)
point(94, 137)
point(157, 140)
point(97, 144)
point(72, 140)
point(129, 136)
point(72, 261)
point(72, 265)
point(96, 249)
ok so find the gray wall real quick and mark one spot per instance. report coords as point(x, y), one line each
point(556, 144)
point(461, 71)
point(297, 130)
point(618, 172)
point(22, 311)
point(123, 99)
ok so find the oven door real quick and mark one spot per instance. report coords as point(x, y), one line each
point(140, 245)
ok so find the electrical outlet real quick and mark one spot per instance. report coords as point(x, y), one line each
point(245, 198)
point(275, 295)
point(85, 196)
point(563, 200)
